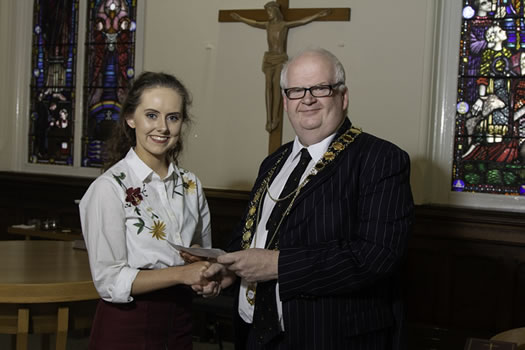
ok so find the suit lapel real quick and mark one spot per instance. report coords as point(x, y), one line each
point(285, 153)
point(323, 175)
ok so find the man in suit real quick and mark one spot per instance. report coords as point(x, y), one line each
point(319, 259)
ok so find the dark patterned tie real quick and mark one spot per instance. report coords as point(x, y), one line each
point(265, 318)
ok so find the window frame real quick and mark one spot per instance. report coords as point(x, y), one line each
point(442, 124)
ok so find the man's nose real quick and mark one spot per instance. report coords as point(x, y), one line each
point(308, 98)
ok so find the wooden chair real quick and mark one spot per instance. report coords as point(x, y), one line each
point(516, 335)
point(44, 320)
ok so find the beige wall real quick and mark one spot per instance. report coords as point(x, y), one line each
point(386, 49)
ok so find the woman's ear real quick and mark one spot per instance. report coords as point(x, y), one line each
point(131, 122)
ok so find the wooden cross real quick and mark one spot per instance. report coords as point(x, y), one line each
point(296, 14)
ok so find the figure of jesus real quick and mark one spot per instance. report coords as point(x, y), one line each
point(277, 33)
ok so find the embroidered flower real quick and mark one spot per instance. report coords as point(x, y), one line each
point(140, 225)
point(189, 184)
point(133, 196)
point(119, 178)
point(157, 231)
point(151, 213)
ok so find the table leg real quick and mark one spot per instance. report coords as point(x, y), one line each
point(22, 329)
point(62, 325)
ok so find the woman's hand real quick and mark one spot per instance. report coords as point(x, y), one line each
point(190, 258)
point(210, 290)
point(192, 274)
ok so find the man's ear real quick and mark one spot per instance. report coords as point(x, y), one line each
point(345, 99)
point(285, 105)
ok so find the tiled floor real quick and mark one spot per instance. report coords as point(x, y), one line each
point(76, 342)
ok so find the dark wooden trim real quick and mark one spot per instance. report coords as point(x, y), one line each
point(44, 179)
point(294, 14)
point(227, 194)
point(9, 177)
point(470, 224)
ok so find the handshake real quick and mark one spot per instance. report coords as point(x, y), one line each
point(214, 274)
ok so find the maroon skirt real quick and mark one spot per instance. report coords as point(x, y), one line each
point(158, 320)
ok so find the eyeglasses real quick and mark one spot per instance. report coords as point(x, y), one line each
point(297, 93)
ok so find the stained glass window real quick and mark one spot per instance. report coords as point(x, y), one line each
point(107, 63)
point(110, 52)
point(489, 145)
point(52, 111)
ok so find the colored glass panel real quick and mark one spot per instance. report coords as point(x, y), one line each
point(489, 143)
point(110, 67)
point(53, 72)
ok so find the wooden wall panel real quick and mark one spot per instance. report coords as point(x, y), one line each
point(34, 196)
point(465, 269)
point(465, 275)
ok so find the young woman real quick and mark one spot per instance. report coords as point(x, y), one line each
point(132, 215)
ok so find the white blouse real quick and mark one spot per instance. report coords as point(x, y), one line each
point(128, 216)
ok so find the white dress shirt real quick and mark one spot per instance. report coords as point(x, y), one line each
point(129, 214)
point(316, 152)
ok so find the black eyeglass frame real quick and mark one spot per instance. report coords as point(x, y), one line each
point(331, 87)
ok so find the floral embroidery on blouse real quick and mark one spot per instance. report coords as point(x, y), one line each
point(150, 211)
point(189, 185)
point(158, 230)
point(134, 196)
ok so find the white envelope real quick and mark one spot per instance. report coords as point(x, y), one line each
point(202, 252)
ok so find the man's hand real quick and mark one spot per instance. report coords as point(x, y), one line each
point(252, 264)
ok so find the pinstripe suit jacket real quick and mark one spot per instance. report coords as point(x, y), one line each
point(341, 246)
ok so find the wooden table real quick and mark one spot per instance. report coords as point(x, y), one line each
point(59, 235)
point(42, 272)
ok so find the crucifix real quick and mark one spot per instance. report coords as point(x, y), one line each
point(276, 19)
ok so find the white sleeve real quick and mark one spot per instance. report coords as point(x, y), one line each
point(202, 234)
point(103, 220)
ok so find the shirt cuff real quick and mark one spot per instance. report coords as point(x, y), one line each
point(121, 292)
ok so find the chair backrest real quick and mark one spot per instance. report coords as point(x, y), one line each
point(516, 335)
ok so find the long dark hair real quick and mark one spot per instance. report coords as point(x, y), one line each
point(123, 137)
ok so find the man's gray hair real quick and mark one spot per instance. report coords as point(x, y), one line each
point(338, 67)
